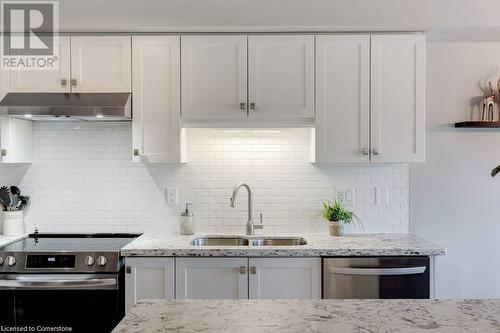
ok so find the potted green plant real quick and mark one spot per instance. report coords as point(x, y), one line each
point(337, 216)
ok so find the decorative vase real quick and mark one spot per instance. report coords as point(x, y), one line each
point(13, 223)
point(336, 228)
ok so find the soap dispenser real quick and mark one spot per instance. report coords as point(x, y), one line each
point(187, 221)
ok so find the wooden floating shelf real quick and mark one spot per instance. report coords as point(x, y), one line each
point(478, 124)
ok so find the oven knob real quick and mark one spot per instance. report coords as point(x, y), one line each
point(101, 261)
point(11, 261)
point(89, 260)
point(1, 261)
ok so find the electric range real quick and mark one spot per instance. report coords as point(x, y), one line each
point(63, 281)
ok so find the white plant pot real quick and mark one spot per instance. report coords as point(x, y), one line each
point(13, 224)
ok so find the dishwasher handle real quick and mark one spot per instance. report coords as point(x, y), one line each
point(377, 271)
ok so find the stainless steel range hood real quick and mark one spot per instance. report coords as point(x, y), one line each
point(64, 107)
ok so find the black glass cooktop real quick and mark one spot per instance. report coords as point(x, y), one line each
point(70, 243)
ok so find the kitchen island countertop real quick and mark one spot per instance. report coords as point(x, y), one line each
point(149, 245)
point(300, 316)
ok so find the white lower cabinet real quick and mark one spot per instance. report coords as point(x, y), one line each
point(242, 278)
point(211, 278)
point(284, 278)
point(221, 278)
point(148, 278)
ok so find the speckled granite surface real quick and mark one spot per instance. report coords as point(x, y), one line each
point(398, 316)
point(5, 240)
point(317, 245)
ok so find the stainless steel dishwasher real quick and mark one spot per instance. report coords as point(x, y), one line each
point(376, 277)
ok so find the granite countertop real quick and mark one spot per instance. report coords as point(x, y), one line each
point(6, 240)
point(370, 316)
point(149, 245)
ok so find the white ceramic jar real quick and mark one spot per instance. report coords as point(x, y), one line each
point(13, 224)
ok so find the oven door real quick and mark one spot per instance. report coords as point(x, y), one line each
point(84, 303)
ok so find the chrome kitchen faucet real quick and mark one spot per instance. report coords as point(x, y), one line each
point(250, 227)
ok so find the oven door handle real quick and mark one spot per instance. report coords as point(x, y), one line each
point(377, 271)
point(44, 281)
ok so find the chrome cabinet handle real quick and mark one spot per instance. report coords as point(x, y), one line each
point(253, 270)
point(64, 82)
point(366, 151)
point(3, 152)
point(375, 151)
point(252, 106)
point(74, 82)
point(377, 271)
point(243, 269)
point(136, 152)
point(243, 106)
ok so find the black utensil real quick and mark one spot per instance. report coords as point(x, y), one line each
point(15, 194)
point(15, 190)
point(5, 197)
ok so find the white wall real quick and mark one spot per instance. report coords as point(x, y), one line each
point(454, 201)
point(82, 180)
point(367, 15)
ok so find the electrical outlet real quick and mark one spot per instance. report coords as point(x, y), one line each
point(381, 196)
point(345, 195)
point(172, 196)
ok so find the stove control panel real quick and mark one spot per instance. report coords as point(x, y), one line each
point(64, 262)
point(50, 261)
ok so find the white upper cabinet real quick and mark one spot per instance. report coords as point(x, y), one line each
point(398, 98)
point(214, 77)
point(16, 140)
point(148, 278)
point(101, 64)
point(370, 98)
point(211, 278)
point(156, 98)
point(45, 81)
point(285, 278)
point(87, 64)
point(343, 98)
point(281, 76)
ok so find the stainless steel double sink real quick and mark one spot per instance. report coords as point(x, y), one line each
point(250, 241)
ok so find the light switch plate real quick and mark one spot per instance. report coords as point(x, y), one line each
point(381, 196)
point(345, 195)
point(172, 196)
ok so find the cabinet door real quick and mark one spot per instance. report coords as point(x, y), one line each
point(281, 76)
point(156, 102)
point(4, 81)
point(101, 64)
point(211, 278)
point(285, 278)
point(45, 81)
point(148, 278)
point(343, 98)
point(398, 98)
point(16, 140)
point(214, 77)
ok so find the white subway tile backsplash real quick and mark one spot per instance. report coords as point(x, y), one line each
point(83, 180)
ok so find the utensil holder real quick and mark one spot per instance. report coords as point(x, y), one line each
point(13, 224)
